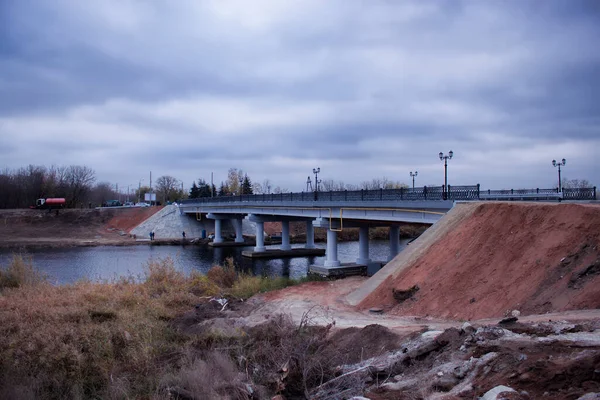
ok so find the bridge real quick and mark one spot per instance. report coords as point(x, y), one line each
point(336, 210)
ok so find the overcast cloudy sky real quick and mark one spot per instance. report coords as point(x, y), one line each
point(361, 89)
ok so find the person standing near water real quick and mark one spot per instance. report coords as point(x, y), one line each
point(183, 234)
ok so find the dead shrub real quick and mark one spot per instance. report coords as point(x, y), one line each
point(287, 358)
point(20, 272)
point(213, 376)
point(162, 277)
point(224, 276)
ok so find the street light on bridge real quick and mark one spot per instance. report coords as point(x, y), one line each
point(563, 162)
point(445, 158)
point(317, 181)
point(413, 177)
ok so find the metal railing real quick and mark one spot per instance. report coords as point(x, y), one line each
point(469, 192)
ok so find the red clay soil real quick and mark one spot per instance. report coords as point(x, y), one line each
point(71, 227)
point(130, 218)
point(534, 258)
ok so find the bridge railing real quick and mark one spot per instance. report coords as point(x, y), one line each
point(468, 192)
point(400, 194)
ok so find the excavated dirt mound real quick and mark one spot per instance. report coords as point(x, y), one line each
point(24, 227)
point(534, 258)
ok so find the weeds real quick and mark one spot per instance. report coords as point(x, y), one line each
point(20, 272)
point(117, 340)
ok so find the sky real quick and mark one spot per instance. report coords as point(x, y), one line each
point(361, 89)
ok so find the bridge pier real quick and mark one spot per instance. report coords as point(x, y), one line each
point(285, 251)
point(331, 256)
point(363, 245)
point(237, 224)
point(310, 235)
point(218, 238)
point(285, 235)
point(260, 236)
point(394, 241)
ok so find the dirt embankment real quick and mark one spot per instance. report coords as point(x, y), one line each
point(71, 227)
point(534, 258)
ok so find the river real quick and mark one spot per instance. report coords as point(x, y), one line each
point(107, 263)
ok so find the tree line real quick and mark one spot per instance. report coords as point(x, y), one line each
point(21, 187)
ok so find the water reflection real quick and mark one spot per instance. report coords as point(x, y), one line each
point(111, 262)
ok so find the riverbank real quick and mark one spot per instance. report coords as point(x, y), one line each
point(36, 229)
point(173, 336)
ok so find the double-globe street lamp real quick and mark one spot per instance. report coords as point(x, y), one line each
point(413, 177)
point(563, 162)
point(445, 158)
point(317, 181)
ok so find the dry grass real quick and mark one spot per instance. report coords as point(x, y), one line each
point(109, 340)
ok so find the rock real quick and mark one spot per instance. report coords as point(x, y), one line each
point(445, 383)
point(359, 398)
point(404, 385)
point(508, 320)
point(495, 393)
point(590, 396)
point(515, 313)
point(376, 310)
point(403, 295)
point(440, 373)
point(467, 328)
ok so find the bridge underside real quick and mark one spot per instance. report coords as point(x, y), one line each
point(333, 218)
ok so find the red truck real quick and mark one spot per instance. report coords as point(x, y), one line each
point(50, 204)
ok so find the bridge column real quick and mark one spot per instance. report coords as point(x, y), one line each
point(394, 241)
point(310, 235)
point(331, 256)
point(285, 235)
point(363, 245)
point(237, 224)
point(218, 238)
point(260, 236)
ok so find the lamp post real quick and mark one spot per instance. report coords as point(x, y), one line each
point(140, 190)
point(445, 158)
point(563, 162)
point(317, 181)
point(413, 177)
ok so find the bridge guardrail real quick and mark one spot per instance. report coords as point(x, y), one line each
point(467, 192)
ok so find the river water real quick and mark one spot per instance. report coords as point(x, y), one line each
point(106, 263)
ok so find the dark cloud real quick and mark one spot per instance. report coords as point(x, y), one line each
point(186, 87)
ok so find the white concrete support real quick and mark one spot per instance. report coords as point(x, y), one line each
point(331, 256)
point(285, 235)
point(363, 246)
point(394, 241)
point(237, 224)
point(218, 238)
point(260, 236)
point(310, 235)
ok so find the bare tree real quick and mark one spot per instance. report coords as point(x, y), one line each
point(167, 188)
point(79, 180)
point(576, 183)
